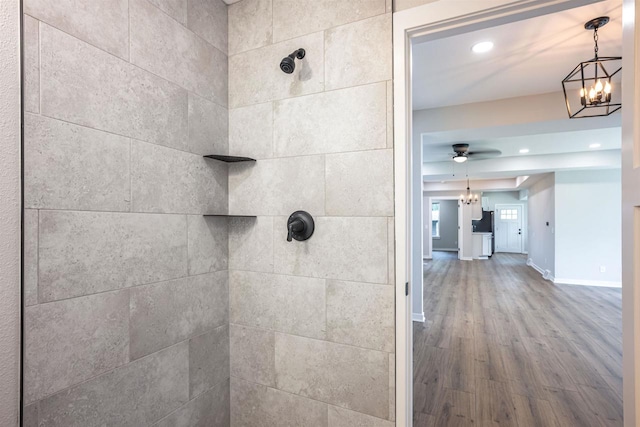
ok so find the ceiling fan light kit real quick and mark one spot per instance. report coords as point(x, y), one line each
point(589, 89)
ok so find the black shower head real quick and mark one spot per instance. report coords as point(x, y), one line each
point(288, 63)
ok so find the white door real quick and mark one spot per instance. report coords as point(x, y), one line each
point(508, 228)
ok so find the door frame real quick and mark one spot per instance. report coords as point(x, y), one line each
point(495, 220)
point(445, 18)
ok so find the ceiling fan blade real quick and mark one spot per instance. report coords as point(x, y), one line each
point(485, 153)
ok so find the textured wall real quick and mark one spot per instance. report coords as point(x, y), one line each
point(126, 283)
point(9, 213)
point(312, 323)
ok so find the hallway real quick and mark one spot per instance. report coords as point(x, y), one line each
point(501, 346)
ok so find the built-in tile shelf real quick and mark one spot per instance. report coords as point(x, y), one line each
point(229, 159)
point(230, 216)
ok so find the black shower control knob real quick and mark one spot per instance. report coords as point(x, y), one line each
point(300, 226)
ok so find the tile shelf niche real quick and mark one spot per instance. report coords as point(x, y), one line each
point(229, 159)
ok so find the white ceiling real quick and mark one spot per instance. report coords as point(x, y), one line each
point(529, 57)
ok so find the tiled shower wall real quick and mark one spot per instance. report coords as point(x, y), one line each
point(126, 283)
point(312, 323)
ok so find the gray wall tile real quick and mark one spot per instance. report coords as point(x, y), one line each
point(251, 131)
point(254, 405)
point(360, 183)
point(117, 398)
point(208, 19)
point(87, 252)
point(208, 240)
point(359, 53)
point(253, 354)
point(277, 186)
point(208, 360)
point(391, 250)
point(102, 23)
point(289, 304)
point(392, 387)
point(31, 44)
point(389, 114)
point(346, 376)
point(250, 24)
point(343, 248)
point(161, 45)
point(30, 257)
point(343, 120)
point(30, 415)
point(67, 342)
point(361, 314)
point(211, 409)
point(166, 313)
point(208, 127)
point(251, 244)
point(314, 15)
point(189, 182)
point(73, 167)
point(339, 417)
point(177, 9)
point(84, 85)
point(256, 76)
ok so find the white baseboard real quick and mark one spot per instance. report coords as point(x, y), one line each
point(463, 258)
point(418, 317)
point(445, 250)
point(546, 274)
point(579, 282)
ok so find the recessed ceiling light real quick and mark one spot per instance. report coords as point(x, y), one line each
point(482, 47)
point(596, 145)
point(524, 151)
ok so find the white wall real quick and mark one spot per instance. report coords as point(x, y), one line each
point(511, 198)
point(9, 213)
point(588, 227)
point(417, 251)
point(540, 235)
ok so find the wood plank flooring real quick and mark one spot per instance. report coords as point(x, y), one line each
point(503, 347)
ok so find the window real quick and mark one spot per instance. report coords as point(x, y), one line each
point(506, 214)
point(435, 220)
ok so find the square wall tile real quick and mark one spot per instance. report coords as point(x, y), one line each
point(208, 360)
point(255, 76)
point(85, 85)
point(350, 377)
point(249, 25)
point(351, 119)
point(70, 341)
point(83, 253)
point(80, 19)
point(360, 183)
point(359, 53)
point(74, 167)
point(166, 313)
point(361, 314)
point(164, 47)
point(251, 244)
point(252, 354)
point(314, 15)
point(254, 405)
point(289, 304)
point(342, 248)
point(208, 240)
point(277, 186)
point(117, 398)
point(190, 183)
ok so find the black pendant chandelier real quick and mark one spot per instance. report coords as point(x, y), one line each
point(592, 89)
point(469, 198)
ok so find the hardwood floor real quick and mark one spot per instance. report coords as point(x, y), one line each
point(503, 347)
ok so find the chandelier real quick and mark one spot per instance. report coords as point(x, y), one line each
point(469, 198)
point(589, 90)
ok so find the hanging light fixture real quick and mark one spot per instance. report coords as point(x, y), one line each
point(589, 90)
point(469, 198)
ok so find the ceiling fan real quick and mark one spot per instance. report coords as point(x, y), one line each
point(462, 153)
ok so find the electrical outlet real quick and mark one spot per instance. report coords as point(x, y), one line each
point(603, 269)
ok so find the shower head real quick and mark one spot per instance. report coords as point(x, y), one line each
point(288, 63)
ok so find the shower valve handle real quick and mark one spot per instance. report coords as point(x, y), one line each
point(300, 226)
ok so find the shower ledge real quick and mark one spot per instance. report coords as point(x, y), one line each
point(229, 159)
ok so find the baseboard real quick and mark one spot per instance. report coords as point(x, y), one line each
point(464, 258)
point(546, 274)
point(418, 317)
point(445, 250)
point(579, 282)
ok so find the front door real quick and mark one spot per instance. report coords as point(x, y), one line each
point(508, 228)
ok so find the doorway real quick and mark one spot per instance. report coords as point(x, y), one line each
point(508, 230)
point(437, 21)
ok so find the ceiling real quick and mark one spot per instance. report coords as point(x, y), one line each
point(529, 57)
